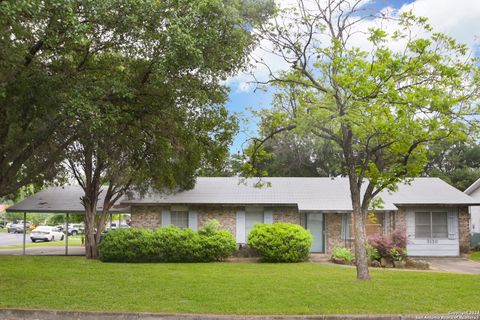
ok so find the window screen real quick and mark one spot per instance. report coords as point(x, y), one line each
point(431, 225)
point(253, 216)
point(179, 219)
point(439, 225)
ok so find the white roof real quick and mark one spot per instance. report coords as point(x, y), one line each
point(59, 200)
point(323, 194)
point(473, 187)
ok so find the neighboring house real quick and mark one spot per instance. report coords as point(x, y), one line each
point(433, 214)
point(474, 192)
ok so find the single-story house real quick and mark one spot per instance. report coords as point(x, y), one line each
point(474, 192)
point(433, 214)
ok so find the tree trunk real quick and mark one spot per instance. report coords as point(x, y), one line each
point(91, 242)
point(359, 215)
point(361, 258)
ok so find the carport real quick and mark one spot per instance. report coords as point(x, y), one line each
point(60, 200)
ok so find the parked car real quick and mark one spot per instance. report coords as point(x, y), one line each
point(18, 227)
point(74, 229)
point(46, 233)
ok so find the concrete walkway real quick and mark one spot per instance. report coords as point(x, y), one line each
point(458, 265)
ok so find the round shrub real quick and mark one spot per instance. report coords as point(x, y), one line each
point(127, 245)
point(280, 242)
point(169, 244)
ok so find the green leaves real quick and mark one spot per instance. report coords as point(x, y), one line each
point(383, 108)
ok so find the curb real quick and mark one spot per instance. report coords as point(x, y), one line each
point(22, 314)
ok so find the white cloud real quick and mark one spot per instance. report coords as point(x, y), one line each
point(459, 19)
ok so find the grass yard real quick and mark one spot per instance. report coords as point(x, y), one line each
point(74, 283)
point(475, 255)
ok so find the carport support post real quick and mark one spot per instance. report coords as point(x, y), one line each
point(66, 238)
point(24, 230)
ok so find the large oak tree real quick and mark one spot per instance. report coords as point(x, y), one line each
point(381, 103)
point(149, 110)
point(121, 93)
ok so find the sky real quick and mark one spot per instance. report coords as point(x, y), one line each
point(457, 18)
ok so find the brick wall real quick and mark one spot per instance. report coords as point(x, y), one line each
point(151, 216)
point(146, 216)
point(333, 232)
point(226, 215)
point(288, 215)
point(400, 220)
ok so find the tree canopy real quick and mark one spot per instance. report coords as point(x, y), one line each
point(59, 58)
point(124, 92)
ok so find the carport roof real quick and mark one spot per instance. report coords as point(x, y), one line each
point(65, 199)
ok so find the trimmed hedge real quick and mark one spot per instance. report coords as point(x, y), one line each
point(280, 242)
point(169, 244)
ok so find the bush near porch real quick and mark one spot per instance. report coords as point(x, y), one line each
point(74, 283)
point(280, 242)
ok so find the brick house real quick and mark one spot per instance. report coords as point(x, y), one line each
point(433, 214)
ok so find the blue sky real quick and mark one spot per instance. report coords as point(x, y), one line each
point(459, 18)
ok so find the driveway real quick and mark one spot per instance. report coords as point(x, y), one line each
point(458, 265)
point(45, 251)
point(8, 239)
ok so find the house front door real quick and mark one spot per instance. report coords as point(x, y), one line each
point(314, 224)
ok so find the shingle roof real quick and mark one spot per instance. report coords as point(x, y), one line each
point(474, 186)
point(59, 200)
point(325, 194)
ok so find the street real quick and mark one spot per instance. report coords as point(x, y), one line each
point(16, 241)
point(9, 239)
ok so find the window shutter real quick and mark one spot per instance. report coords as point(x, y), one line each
point(452, 225)
point(240, 226)
point(193, 220)
point(166, 218)
point(268, 216)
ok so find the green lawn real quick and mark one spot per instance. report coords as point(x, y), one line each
point(475, 256)
point(227, 288)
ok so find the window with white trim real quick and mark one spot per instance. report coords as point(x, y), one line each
point(179, 219)
point(253, 216)
point(431, 225)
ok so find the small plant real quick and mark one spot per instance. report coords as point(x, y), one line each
point(390, 248)
point(342, 254)
point(399, 238)
point(398, 254)
point(373, 253)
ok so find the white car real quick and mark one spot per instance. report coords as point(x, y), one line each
point(46, 233)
